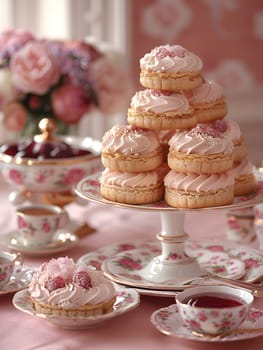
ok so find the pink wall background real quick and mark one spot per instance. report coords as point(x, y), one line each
point(226, 34)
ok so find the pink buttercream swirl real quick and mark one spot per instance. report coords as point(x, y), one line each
point(201, 140)
point(146, 179)
point(127, 139)
point(158, 102)
point(209, 91)
point(198, 182)
point(245, 167)
point(171, 58)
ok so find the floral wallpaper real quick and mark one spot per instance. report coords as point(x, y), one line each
point(226, 34)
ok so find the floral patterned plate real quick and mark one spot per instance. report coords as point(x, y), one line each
point(61, 242)
point(168, 321)
point(20, 279)
point(127, 300)
point(214, 256)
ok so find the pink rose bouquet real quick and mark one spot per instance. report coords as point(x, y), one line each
point(56, 79)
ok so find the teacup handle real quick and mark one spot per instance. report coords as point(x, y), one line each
point(63, 219)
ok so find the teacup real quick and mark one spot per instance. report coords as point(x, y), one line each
point(214, 309)
point(8, 261)
point(38, 224)
point(240, 225)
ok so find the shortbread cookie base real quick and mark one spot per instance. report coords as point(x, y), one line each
point(164, 121)
point(170, 81)
point(193, 200)
point(240, 151)
point(133, 163)
point(132, 195)
point(200, 164)
point(244, 184)
point(208, 112)
point(83, 311)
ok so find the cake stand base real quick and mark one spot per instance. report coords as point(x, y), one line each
point(173, 264)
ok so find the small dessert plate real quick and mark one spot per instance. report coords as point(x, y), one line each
point(127, 300)
point(20, 279)
point(61, 242)
point(168, 321)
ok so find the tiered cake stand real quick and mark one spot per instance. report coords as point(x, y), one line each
point(172, 268)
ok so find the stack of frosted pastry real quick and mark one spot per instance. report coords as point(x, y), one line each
point(178, 142)
point(134, 169)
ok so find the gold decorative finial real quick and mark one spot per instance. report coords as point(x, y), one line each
point(47, 127)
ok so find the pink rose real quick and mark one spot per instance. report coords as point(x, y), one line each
point(34, 69)
point(69, 103)
point(15, 116)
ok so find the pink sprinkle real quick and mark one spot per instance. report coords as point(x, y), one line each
point(179, 51)
point(220, 125)
point(175, 50)
point(206, 130)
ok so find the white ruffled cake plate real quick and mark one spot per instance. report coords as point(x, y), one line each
point(126, 300)
point(168, 321)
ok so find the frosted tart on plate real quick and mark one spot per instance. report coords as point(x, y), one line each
point(190, 190)
point(161, 110)
point(208, 102)
point(170, 67)
point(133, 188)
point(62, 287)
point(201, 150)
point(129, 148)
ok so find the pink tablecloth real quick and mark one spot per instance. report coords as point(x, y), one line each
point(132, 330)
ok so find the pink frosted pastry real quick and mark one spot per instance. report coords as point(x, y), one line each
point(230, 129)
point(190, 190)
point(245, 181)
point(170, 67)
point(200, 150)
point(131, 149)
point(160, 110)
point(133, 188)
point(64, 288)
point(208, 102)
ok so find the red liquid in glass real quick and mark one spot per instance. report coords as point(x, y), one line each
point(213, 301)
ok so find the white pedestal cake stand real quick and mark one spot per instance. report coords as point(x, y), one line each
point(173, 266)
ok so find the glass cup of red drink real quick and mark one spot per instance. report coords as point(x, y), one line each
point(214, 309)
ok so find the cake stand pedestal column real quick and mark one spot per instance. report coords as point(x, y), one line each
point(172, 265)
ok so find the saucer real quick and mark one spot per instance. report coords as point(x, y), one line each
point(20, 279)
point(168, 321)
point(62, 241)
point(127, 300)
